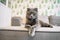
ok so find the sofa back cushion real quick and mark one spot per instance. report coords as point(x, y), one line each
point(15, 21)
point(44, 19)
point(55, 20)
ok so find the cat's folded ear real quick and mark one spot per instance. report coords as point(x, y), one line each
point(35, 9)
point(28, 9)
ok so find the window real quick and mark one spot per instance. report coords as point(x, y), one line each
point(3, 1)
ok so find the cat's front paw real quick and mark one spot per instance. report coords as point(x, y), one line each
point(32, 32)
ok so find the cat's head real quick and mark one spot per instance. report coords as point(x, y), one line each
point(31, 13)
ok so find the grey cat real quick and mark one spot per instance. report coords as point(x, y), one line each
point(31, 21)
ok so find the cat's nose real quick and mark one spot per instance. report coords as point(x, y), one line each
point(31, 15)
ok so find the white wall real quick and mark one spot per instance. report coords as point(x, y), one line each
point(5, 16)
